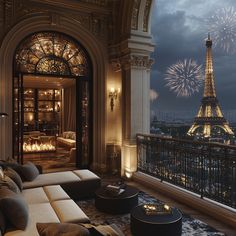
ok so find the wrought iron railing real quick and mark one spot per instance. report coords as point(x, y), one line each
point(208, 169)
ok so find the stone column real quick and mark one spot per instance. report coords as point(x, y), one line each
point(136, 106)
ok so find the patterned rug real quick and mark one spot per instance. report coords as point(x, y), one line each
point(190, 226)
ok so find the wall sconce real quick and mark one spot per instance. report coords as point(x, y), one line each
point(113, 94)
point(3, 114)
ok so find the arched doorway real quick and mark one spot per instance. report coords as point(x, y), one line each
point(52, 101)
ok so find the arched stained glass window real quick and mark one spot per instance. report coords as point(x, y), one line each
point(51, 53)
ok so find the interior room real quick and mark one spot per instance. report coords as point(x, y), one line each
point(49, 125)
point(88, 145)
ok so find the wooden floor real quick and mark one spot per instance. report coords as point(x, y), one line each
point(229, 231)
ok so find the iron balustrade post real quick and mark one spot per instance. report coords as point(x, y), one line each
point(210, 172)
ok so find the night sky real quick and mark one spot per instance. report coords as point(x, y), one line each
point(179, 29)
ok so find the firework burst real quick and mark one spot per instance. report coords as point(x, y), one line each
point(153, 95)
point(222, 27)
point(184, 78)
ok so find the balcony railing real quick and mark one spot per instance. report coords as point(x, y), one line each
point(208, 169)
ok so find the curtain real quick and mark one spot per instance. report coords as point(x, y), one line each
point(70, 108)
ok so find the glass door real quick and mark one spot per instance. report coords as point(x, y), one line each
point(83, 122)
point(18, 118)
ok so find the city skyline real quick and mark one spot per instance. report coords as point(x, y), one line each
point(179, 31)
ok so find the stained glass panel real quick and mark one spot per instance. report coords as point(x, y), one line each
point(51, 53)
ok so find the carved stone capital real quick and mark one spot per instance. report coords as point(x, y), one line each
point(138, 61)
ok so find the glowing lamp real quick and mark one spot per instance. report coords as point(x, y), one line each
point(113, 94)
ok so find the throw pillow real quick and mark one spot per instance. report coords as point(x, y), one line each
point(28, 171)
point(73, 136)
point(65, 134)
point(14, 176)
point(5, 164)
point(9, 183)
point(14, 208)
point(62, 229)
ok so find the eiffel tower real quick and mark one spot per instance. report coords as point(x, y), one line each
point(209, 114)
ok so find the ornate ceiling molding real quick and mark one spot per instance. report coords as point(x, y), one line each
point(101, 3)
point(135, 13)
point(146, 15)
point(12, 11)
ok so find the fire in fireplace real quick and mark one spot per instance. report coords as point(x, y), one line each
point(39, 145)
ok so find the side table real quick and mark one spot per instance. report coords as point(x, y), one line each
point(120, 204)
point(166, 225)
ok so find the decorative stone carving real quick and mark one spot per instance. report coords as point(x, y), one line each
point(55, 19)
point(135, 12)
point(116, 65)
point(11, 11)
point(1, 14)
point(8, 8)
point(141, 61)
point(97, 2)
point(146, 15)
point(138, 61)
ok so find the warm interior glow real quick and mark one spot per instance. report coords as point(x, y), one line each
point(113, 94)
point(38, 146)
point(167, 207)
point(129, 159)
point(31, 117)
point(128, 174)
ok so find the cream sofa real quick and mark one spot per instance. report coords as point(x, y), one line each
point(67, 140)
point(49, 199)
point(48, 204)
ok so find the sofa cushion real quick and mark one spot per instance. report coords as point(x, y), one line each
point(69, 212)
point(9, 183)
point(14, 208)
point(85, 174)
point(27, 172)
point(65, 229)
point(14, 176)
point(55, 193)
point(52, 179)
point(67, 142)
point(42, 212)
point(35, 195)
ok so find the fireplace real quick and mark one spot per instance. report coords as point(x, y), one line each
point(39, 144)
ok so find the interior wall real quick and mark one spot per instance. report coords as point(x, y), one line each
point(113, 117)
point(69, 110)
